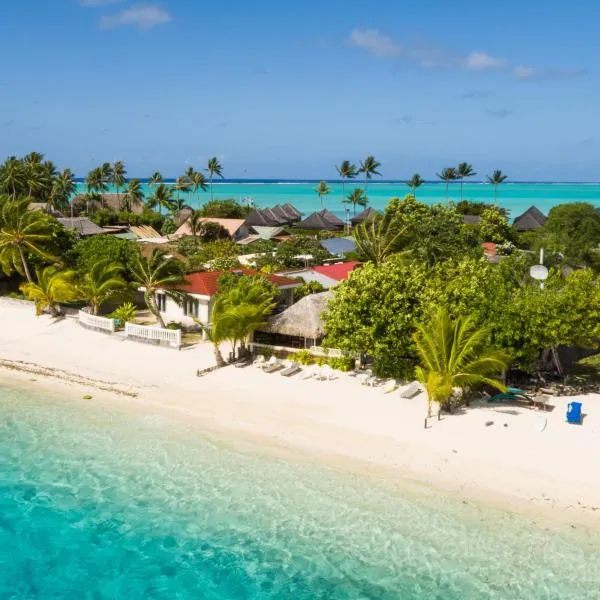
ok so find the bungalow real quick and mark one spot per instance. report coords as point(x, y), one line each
point(236, 228)
point(203, 287)
point(327, 275)
point(533, 218)
point(81, 226)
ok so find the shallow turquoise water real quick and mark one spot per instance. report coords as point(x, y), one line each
point(516, 197)
point(101, 504)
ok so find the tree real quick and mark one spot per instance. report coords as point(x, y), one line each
point(182, 184)
point(156, 178)
point(494, 226)
point(369, 168)
point(415, 182)
point(455, 354)
point(87, 252)
point(53, 286)
point(464, 170)
point(347, 170)
point(195, 224)
point(134, 195)
point(96, 182)
point(162, 197)
point(198, 182)
point(116, 175)
point(322, 190)
point(225, 209)
point(178, 207)
point(101, 283)
point(496, 178)
point(214, 168)
point(447, 175)
point(307, 288)
point(23, 233)
point(13, 177)
point(159, 273)
point(289, 250)
point(63, 188)
point(357, 197)
point(378, 238)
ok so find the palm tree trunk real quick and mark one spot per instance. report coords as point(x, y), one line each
point(25, 265)
point(446, 191)
point(343, 189)
point(151, 304)
point(211, 190)
point(461, 189)
point(218, 356)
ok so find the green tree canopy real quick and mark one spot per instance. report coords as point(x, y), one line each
point(86, 253)
point(224, 209)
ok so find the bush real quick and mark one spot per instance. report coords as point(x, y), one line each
point(174, 325)
point(342, 363)
point(307, 288)
point(225, 209)
point(304, 357)
point(126, 313)
point(88, 252)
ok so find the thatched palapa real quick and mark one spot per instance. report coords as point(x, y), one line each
point(322, 220)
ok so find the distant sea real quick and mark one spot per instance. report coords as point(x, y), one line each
point(515, 197)
point(98, 503)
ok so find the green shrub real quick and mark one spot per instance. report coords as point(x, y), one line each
point(342, 363)
point(124, 313)
point(304, 357)
point(174, 325)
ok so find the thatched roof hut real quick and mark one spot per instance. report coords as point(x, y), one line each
point(364, 215)
point(533, 218)
point(302, 319)
point(323, 220)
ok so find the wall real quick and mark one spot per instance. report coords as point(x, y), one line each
point(174, 312)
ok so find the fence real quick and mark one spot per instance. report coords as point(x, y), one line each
point(95, 322)
point(154, 334)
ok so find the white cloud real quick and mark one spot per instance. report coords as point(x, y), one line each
point(142, 16)
point(480, 61)
point(97, 2)
point(375, 43)
point(522, 72)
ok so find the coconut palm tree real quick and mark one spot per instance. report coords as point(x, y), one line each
point(378, 238)
point(356, 197)
point(214, 168)
point(34, 173)
point(182, 184)
point(369, 167)
point(162, 197)
point(198, 181)
point(161, 273)
point(455, 354)
point(134, 195)
point(117, 178)
point(195, 224)
point(415, 182)
point(63, 188)
point(102, 282)
point(346, 170)
point(23, 232)
point(156, 178)
point(53, 286)
point(496, 178)
point(447, 175)
point(13, 177)
point(464, 170)
point(322, 190)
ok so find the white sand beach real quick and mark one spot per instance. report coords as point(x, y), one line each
point(509, 464)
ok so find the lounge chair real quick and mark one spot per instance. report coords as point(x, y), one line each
point(273, 365)
point(259, 361)
point(574, 413)
point(243, 362)
point(327, 372)
point(411, 390)
point(291, 370)
point(390, 386)
point(511, 395)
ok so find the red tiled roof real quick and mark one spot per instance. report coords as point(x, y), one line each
point(338, 271)
point(205, 283)
point(489, 248)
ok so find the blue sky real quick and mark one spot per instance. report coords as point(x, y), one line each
point(289, 89)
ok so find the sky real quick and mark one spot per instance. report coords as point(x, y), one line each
point(290, 89)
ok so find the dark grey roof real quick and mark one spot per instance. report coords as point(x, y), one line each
point(532, 218)
point(286, 212)
point(81, 226)
point(365, 214)
point(322, 220)
point(471, 219)
point(292, 209)
point(256, 217)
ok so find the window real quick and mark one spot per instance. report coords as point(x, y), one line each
point(161, 302)
point(190, 308)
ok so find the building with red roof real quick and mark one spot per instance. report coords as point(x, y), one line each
point(327, 275)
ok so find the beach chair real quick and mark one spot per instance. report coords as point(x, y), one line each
point(411, 390)
point(259, 361)
point(574, 413)
point(390, 386)
point(327, 372)
point(273, 365)
point(291, 370)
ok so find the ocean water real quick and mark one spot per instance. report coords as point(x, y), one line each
point(97, 503)
point(515, 197)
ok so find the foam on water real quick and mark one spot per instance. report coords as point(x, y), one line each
point(98, 504)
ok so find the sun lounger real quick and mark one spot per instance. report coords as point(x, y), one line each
point(259, 361)
point(291, 370)
point(411, 390)
point(273, 365)
point(240, 364)
point(574, 413)
point(327, 372)
point(390, 386)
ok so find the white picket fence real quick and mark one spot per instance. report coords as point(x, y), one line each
point(170, 336)
point(95, 322)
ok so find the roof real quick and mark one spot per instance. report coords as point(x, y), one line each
point(81, 226)
point(274, 216)
point(339, 245)
point(303, 319)
point(44, 207)
point(489, 248)
point(322, 220)
point(267, 233)
point(231, 225)
point(471, 219)
point(532, 218)
point(290, 208)
point(337, 271)
point(205, 283)
point(363, 216)
point(112, 201)
point(144, 232)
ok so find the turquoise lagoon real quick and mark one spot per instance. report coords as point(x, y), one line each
point(515, 197)
point(103, 503)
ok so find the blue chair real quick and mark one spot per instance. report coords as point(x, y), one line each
point(574, 413)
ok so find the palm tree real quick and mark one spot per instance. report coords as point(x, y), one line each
point(23, 232)
point(14, 177)
point(134, 195)
point(102, 282)
point(322, 190)
point(415, 182)
point(195, 224)
point(356, 196)
point(346, 170)
point(496, 179)
point(378, 238)
point(156, 178)
point(63, 188)
point(182, 184)
point(34, 172)
point(117, 178)
point(369, 167)
point(464, 170)
point(447, 175)
point(198, 182)
point(162, 197)
point(214, 168)
point(455, 354)
point(53, 286)
point(158, 273)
